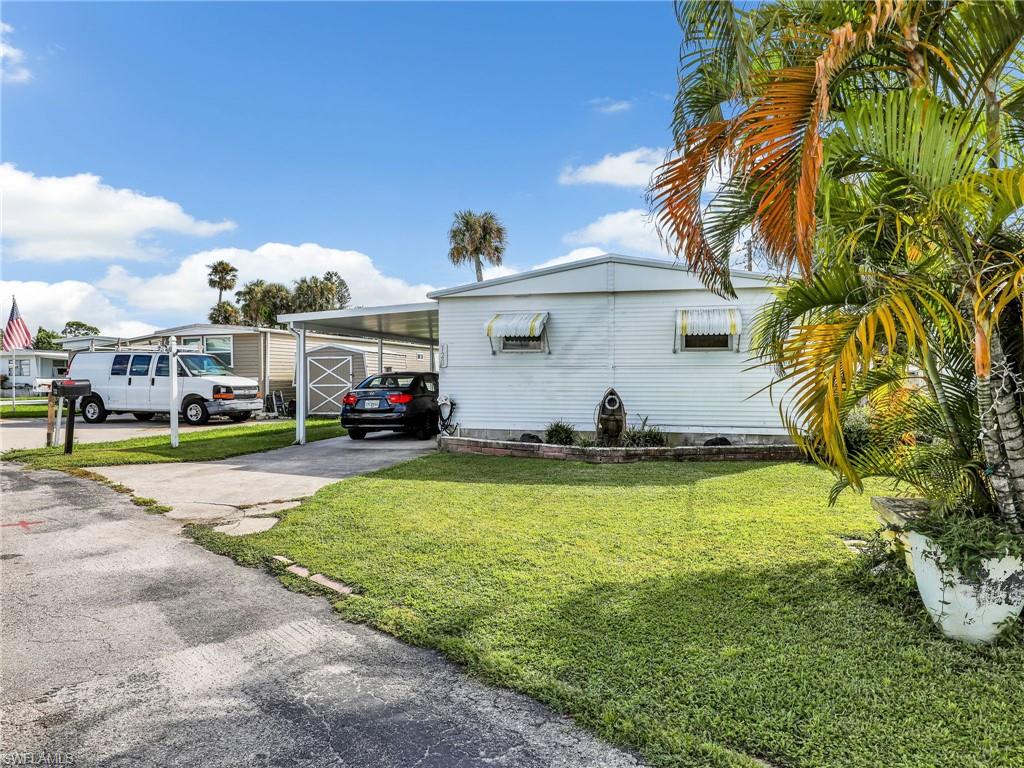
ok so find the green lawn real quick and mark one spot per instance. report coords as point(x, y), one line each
point(701, 613)
point(27, 411)
point(200, 445)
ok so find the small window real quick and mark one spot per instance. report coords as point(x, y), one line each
point(711, 341)
point(18, 367)
point(194, 343)
point(120, 365)
point(140, 365)
point(522, 344)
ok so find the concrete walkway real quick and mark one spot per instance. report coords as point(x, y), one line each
point(125, 644)
point(262, 483)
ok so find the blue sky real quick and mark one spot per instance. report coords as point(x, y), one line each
point(349, 127)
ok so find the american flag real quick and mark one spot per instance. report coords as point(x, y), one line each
point(16, 333)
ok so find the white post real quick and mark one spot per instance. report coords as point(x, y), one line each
point(380, 355)
point(300, 388)
point(56, 426)
point(14, 380)
point(172, 371)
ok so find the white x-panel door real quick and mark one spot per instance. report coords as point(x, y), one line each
point(329, 379)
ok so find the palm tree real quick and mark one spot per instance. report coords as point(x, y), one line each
point(225, 313)
point(475, 238)
point(318, 294)
point(873, 149)
point(223, 277)
point(251, 302)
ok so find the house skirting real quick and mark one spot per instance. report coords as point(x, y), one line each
point(673, 438)
point(449, 444)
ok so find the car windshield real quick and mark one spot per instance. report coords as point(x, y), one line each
point(387, 382)
point(205, 365)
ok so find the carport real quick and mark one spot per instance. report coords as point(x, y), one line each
point(415, 323)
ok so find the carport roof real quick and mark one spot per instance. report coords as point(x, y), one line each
point(416, 323)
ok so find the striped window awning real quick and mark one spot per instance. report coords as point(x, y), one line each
point(516, 324)
point(709, 321)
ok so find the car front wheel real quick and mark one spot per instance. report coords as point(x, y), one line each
point(93, 411)
point(195, 413)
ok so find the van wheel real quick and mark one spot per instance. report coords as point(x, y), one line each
point(238, 418)
point(143, 416)
point(356, 434)
point(195, 413)
point(92, 410)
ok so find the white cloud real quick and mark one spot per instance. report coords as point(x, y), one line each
point(577, 254)
point(12, 60)
point(186, 292)
point(628, 169)
point(629, 232)
point(57, 218)
point(50, 305)
point(610, 106)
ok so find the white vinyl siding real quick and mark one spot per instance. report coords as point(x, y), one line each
point(599, 338)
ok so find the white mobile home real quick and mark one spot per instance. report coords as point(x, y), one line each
point(518, 352)
point(23, 366)
point(521, 351)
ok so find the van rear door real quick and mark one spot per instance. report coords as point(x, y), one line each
point(160, 392)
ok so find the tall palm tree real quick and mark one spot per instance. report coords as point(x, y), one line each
point(475, 238)
point(873, 148)
point(222, 276)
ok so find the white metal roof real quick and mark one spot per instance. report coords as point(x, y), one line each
point(753, 278)
point(415, 323)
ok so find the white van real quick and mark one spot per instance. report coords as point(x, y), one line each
point(138, 382)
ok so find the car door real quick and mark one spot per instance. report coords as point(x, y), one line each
point(139, 383)
point(114, 397)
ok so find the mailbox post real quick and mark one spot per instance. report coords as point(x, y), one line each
point(71, 390)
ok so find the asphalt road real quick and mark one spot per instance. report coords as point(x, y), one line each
point(125, 644)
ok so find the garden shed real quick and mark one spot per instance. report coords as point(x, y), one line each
point(332, 370)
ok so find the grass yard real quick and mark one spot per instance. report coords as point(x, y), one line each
point(200, 445)
point(701, 613)
point(25, 411)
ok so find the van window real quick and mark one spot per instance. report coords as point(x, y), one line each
point(140, 365)
point(162, 369)
point(205, 365)
point(120, 365)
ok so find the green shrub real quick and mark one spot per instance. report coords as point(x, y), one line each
point(560, 433)
point(857, 429)
point(642, 436)
point(585, 441)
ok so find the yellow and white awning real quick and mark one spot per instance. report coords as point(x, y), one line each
point(516, 324)
point(709, 321)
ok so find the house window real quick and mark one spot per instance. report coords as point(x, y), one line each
point(708, 328)
point(522, 344)
point(419, 355)
point(221, 347)
point(192, 343)
point(517, 332)
point(20, 368)
point(712, 341)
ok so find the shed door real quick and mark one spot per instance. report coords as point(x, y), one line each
point(329, 377)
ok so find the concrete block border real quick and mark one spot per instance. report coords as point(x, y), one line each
point(472, 445)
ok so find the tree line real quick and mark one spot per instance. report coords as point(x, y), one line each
point(259, 302)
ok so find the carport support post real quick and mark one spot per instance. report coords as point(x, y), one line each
point(380, 355)
point(172, 371)
point(301, 392)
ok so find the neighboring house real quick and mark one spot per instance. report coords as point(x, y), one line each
point(518, 352)
point(24, 366)
point(76, 343)
point(268, 354)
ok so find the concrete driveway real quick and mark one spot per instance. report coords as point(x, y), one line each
point(31, 433)
point(125, 644)
point(262, 483)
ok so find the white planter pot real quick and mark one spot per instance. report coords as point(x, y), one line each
point(966, 610)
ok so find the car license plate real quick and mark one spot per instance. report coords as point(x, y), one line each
point(371, 404)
